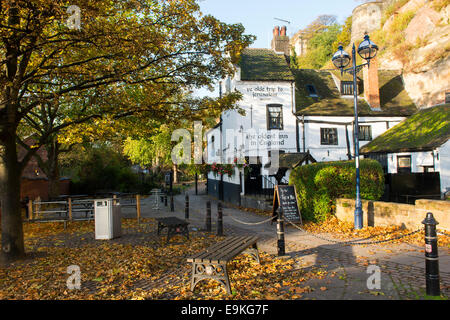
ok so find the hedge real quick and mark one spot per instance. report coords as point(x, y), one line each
point(318, 185)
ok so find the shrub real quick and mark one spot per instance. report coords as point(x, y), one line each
point(318, 185)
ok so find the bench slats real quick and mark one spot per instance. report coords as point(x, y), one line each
point(228, 255)
point(225, 250)
point(209, 253)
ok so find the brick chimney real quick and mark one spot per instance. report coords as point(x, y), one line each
point(371, 87)
point(280, 41)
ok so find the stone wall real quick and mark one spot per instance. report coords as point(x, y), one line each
point(366, 18)
point(379, 213)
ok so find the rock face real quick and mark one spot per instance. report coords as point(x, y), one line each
point(426, 75)
point(427, 87)
point(423, 23)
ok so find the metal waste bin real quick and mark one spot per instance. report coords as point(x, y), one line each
point(107, 219)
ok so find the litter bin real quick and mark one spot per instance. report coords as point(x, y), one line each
point(107, 219)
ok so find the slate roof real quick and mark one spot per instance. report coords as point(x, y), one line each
point(425, 130)
point(393, 98)
point(264, 65)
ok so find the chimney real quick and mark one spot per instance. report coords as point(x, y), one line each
point(280, 41)
point(371, 87)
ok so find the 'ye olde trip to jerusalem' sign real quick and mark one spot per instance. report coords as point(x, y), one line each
point(266, 91)
point(285, 197)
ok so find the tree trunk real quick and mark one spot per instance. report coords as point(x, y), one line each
point(11, 220)
point(53, 170)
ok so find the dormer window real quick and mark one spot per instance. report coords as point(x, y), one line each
point(312, 92)
point(347, 88)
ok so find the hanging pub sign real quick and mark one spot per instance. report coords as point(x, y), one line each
point(285, 197)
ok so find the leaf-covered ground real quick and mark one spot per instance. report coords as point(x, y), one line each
point(138, 266)
point(345, 230)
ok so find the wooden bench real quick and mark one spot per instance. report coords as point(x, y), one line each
point(212, 263)
point(174, 226)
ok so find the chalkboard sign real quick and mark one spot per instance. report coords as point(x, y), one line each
point(286, 198)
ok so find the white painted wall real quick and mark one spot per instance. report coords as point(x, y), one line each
point(339, 152)
point(418, 161)
point(443, 164)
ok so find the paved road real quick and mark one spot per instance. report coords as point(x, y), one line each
point(401, 265)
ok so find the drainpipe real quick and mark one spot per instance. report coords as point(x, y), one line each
point(303, 137)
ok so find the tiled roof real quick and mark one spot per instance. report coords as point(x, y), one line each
point(264, 65)
point(425, 130)
point(393, 97)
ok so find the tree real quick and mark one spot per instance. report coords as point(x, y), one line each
point(320, 48)
point(71, 73)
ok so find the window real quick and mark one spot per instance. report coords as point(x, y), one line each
point(274, 116)
point(328, 136)
point(347, 88)
point(365, 133)
point(404, 164)
point(311, 90)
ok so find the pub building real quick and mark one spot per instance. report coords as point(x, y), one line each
point(294, 117)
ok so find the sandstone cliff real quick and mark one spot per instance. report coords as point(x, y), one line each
point(415, 38)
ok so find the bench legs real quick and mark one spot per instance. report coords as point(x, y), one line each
point(217, 271)
point(203, 271)
point(253, 251)
point(173, 230)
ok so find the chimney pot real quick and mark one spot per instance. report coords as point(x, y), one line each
point(276, 31)
point(283, 31)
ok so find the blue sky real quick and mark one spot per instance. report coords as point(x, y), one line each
point(258, 16)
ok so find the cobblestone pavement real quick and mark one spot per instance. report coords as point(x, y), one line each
point(402, 266)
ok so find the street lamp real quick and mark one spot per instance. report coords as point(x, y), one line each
point(367, 50)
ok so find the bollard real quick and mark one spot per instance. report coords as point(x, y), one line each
point(431, 256)
point(172, 209)
point(280, 233)
point(165, 199)
point(219, 219)
point(208, 216)
point(186, 208)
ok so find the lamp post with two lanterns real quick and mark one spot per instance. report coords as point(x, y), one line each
point(341, 59)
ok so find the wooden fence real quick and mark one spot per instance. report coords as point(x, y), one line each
point(74, 209)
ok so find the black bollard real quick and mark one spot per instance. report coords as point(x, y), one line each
point(280, 233)
point(186, 207)
point(172, 209)
point(165, 199)
point(208, 216)
point(431, 256)
point(219, 219)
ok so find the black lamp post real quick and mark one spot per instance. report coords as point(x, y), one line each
point(367, 50)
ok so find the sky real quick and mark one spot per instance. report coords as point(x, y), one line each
point(258, 16)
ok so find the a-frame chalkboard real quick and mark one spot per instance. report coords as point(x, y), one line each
point(286, 198)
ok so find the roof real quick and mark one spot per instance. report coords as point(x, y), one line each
point(264, 65)
point(425, 130)
point(292, 160)
point(393, 97)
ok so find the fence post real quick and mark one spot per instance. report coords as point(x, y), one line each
point(30, 209)
point(138, 208)
point(219, 219)
point(280, 233)
point(208, 216)
point(186, 208)
point(69, 205)
point(114, 199)
point(431, 256)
